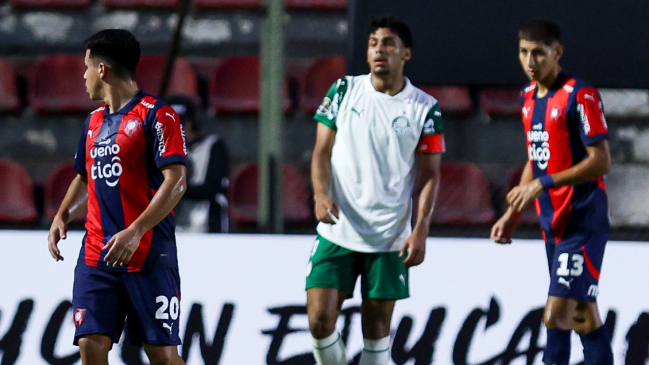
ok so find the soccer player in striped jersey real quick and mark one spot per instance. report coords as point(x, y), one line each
point(376, 159)
point(131, 173)
point(568, 153)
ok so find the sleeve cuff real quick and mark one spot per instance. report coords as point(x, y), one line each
point(171, 160)
point(547, 182)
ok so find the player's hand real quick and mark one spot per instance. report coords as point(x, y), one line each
point(58, 231)
point(504, 228)
point(415, 248)
point(122, 246)
point(326, 211)
point(522, 195)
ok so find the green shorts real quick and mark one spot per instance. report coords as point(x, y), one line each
point(383, 275)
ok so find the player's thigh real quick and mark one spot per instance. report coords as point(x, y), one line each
point(161, 354)
point(575, 267)
point(560, 312)
point(384, 276)
point(99, 303)
point(154, 315)
point(331, 267)
point(587, 317)
point(323, 305)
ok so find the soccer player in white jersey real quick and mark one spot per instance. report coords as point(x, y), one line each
point(376, 159)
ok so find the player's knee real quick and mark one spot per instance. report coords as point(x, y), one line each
point(557, 319)
point(322, 324)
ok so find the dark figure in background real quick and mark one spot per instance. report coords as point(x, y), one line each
point(204, 207)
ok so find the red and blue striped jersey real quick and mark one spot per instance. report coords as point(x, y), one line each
point(122, 154)
point(558, 128)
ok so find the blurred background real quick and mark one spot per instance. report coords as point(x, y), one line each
point(219, 53)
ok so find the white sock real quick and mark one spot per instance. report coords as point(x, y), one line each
point(376, 352)
point(330, 350)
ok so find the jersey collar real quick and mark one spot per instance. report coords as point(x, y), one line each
point(129, 106)
point(402, 95)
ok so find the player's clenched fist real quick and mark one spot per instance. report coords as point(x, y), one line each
point(326, 210)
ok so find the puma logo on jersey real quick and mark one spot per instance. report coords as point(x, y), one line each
point(565, 282)
point(170, 115)
point(356, 111)
point(526, 110)
point(167, 326)
point(589, 97)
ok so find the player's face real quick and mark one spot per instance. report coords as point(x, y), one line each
point(92, 77)
point(538, 59)
point(386, 53)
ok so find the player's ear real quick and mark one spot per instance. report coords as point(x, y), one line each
point(407, 54)
point(558, 50)
point(103, 70)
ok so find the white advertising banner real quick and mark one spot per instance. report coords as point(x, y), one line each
point(243, 303)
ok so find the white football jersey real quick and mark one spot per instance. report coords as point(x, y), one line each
point(373, 160)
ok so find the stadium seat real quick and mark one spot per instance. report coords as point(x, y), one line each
point(227, 4)
point(9, 101)
point(16, 194)
point(464, 196)
point(243, 195)
point(140, 4)
point(56, 85)
point(501, 102)
point(453, 100)
point(58, 182)
point(529, 216)
point(50, 4)
point(183, 80)
point(235, 86)
point(315, 4)
point(318, 79)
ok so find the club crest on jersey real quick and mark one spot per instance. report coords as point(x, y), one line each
point(555, 113)
point(79, 316)
point(400, 124)
point(131, 126)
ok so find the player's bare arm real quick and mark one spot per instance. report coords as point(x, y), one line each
point(596, 163)
point(325, 209)
point(73, 204)
point(424, 196)
point(123, 244)
point(504, 228)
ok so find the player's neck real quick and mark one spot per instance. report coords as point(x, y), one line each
point(391, 85)
point(543, 86)
point(119, 94)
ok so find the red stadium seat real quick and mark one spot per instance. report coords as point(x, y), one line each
point(318, 79)
point(235, 86)
point(453, 100)
point(56, 85)
point(140, 4)
point(227, 4)
point(57, 186)
point(243, 195)
point(16, 194)
point(528, 216)
point(50, 4)
point(464, 196)
point(9, 101)
point(183, 80)
point(500, 102)
point(316, 4)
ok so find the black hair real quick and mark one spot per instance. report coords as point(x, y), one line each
point(538, 30)
point(397, 26)
point(118, 48)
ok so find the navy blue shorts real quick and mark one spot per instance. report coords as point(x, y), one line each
point(575, 263)
point(149, 301)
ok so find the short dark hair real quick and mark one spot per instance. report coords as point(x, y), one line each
point(538, 30)
point(118, 48)
point(397, 26)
